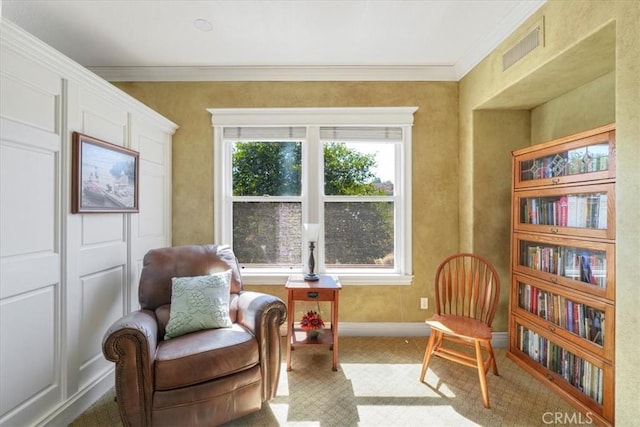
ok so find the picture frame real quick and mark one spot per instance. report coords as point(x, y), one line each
point(104, 176)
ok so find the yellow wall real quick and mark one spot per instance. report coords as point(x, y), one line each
point(435, 163)
point(588, 106)
point(496, 134)
point(587, 74)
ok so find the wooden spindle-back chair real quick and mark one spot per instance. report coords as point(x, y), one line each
point(467, 289)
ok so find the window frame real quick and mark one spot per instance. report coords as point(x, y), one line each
point(313, 119)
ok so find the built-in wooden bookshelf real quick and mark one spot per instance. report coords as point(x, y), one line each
point(562, 300)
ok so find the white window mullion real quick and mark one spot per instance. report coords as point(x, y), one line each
point(312, 205)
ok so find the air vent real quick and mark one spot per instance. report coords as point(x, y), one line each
point(528, 43)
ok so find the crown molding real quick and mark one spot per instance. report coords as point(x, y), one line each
point(274, 73)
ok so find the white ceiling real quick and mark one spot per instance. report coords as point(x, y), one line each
point(267, 40)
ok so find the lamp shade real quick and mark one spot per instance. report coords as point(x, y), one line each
point(312, 231)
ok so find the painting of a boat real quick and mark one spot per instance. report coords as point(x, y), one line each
point(93, 193)
point(105, 176)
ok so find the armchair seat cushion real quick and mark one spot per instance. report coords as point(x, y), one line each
point(213, 402)
point(203, 356)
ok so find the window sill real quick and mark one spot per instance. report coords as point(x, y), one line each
point(371, 279)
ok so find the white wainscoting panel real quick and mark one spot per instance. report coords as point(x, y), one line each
point(102, 119)
point(29, 195)
point(102, 228)
point(103, 249)
point(28, 273)
point(38, 108)
point(102, 257)
point(30, 262)
point(29, 353)
point(153, 219)
point(102, 304)
point(35, 86)
point(151, 228)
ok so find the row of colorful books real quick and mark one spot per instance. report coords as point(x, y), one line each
point(580, 319)
point(574, 263)
point(573, 210)
point(576, 371)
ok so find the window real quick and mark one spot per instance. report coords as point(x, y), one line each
point(347, 169)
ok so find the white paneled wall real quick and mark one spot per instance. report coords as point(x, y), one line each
point(151, 226)
point(64, 278)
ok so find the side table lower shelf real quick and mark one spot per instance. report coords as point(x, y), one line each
point(299, 338)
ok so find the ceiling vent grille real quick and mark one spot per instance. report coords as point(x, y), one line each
point(528, 43)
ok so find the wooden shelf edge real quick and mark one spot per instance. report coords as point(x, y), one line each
point(299, 339)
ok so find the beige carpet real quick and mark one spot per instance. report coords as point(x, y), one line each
point(377, 385)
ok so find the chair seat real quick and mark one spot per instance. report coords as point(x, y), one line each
point(205, 355)
point(460, 326)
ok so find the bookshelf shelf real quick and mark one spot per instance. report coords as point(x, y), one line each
point(562, 302)
point(569, 210)
point(583, 265)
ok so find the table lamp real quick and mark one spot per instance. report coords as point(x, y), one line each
point(311, 232)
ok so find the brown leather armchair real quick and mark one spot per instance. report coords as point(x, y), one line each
point(207, 377)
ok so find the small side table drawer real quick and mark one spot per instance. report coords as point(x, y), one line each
point(313, 295)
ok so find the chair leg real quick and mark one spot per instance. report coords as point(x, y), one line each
point(482, 374)
point(494, 366)
point(427, 353)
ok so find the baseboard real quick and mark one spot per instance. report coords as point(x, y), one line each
point(70, 409)
point(383, 329)
point(399, 329)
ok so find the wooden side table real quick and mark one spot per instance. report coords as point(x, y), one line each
point(325, 289)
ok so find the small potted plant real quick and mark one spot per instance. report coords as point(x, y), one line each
point(312, 323)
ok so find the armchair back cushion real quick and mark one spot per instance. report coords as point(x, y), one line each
point(183, 261)
point(161, 265)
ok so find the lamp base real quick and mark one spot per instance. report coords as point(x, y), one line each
point(311, 277)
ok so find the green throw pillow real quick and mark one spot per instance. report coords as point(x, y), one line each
point(198, 303)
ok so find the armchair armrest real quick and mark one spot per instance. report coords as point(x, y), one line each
point(263, 315)
point(131, 343)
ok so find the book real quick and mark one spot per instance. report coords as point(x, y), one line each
point(595, 328)
point(572, 209)
point(564, 211)
point(602, 212)
point(576, 318)
point(542, 304)
point(581, 211)
point(593, 205)
point(556, 310)
point(585, 269)
point(533, 215)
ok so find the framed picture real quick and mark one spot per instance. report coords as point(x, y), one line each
point(104, 177)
